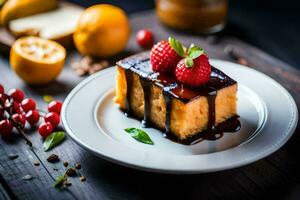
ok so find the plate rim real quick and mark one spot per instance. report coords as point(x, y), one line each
point(277, 145)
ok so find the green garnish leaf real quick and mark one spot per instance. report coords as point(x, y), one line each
point(177, 46)
point(189, 62)
point(139, 135)
point(53, 140)
point(59, 180)
point(47, 98)
point(195, 52)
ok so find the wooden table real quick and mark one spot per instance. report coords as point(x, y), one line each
point(275, 176)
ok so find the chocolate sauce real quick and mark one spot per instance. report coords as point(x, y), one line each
point(140, 64)
point(211, 98)
point(146, 85)
point(128, 76)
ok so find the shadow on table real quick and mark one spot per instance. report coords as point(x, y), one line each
point(234, 183)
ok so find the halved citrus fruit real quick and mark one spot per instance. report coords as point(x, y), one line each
point(37, 60)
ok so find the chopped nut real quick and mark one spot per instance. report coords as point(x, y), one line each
point(66, 163)
point(75, 65)
point(88, 65)
point(36, 163)
point(78, 166)
point(82, 178)
point(80, 72)
point(71, 172)
point(53, 158)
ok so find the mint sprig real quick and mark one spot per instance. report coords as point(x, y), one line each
point(193, 53)
point(139, 135)
point(177, 46)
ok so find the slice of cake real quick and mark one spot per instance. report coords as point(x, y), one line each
point(183, 112)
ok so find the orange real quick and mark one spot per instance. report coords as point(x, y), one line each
point(102, 31)
point(37, 60)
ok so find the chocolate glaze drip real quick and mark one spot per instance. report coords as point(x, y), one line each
point(146, 85)
point(211, 98)
point(128, 76)
point(140, 64)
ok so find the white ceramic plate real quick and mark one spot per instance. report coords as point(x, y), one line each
point(268, 117)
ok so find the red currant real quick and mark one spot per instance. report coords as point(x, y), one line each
point(19, 118)
point(15, 107)
point(16, 94)
point(144, 38)
point(45, 129)
point(3, 98)
point(32, 117)
point(53, 118)
point(55, 106)
point(1, 113)
point(28, 104)
point(1, 89)
point(5, 127)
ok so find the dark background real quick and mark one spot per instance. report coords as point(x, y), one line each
point(271, 25)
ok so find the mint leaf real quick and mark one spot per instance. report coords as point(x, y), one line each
point(53, 140)
point(195, 52)
point(176, 46)
point(59, 180)
point(189, 62)
point(139, 135)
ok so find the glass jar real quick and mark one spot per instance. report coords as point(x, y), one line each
point(201, 16)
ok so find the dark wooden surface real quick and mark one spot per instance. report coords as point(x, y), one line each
point(276, 176)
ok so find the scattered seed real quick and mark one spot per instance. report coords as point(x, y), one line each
point(13, 156)
point(53, 158)
point(55, 169)
point(78, 166)
point(89, 65)
point(36, 163)
point(82, 178)
point(27, 177)
point(71, 172)
point(66, 163)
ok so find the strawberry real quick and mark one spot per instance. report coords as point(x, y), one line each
point(165, 55)
point(193, 70)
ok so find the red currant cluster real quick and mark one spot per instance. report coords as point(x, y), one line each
point(15, 111)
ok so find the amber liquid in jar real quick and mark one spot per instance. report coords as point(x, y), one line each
point(201, 16)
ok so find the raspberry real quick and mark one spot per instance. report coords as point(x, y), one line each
point(197, 74)
point(164, 58)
